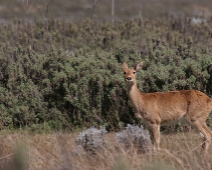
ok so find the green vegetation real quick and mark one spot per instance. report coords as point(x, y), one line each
point(57, 75)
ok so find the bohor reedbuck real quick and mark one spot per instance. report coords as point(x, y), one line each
point(167, 108)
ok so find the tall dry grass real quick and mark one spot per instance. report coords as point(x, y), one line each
point(22, 150)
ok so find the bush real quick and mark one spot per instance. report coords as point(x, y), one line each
point(91, 140)
point(68, 75)
point(134, 136)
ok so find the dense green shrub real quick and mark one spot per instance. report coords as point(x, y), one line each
point(58, 75)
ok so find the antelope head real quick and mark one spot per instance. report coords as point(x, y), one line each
point(130, 74)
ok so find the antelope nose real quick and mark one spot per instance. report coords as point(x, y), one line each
point(128, 78)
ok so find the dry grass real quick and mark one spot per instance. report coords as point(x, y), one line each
point(54, 151)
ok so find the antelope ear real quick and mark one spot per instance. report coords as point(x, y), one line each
point(139, 66)
point(124, 66)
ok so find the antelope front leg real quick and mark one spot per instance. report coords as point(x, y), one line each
point(155, 129)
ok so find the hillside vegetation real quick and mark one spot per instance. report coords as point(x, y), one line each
point(61, 80)
point(76, 10)
point(57, 75)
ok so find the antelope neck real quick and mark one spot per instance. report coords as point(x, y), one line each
point(134, 95)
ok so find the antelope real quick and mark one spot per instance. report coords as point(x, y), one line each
point(167, 108)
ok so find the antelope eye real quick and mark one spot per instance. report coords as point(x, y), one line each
point(125, 73)
point(134, 72)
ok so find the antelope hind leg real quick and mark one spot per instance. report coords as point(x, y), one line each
point(203, 128)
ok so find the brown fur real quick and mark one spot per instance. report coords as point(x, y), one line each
point(165, 108)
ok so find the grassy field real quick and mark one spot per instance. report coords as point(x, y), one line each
point(55, 151)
